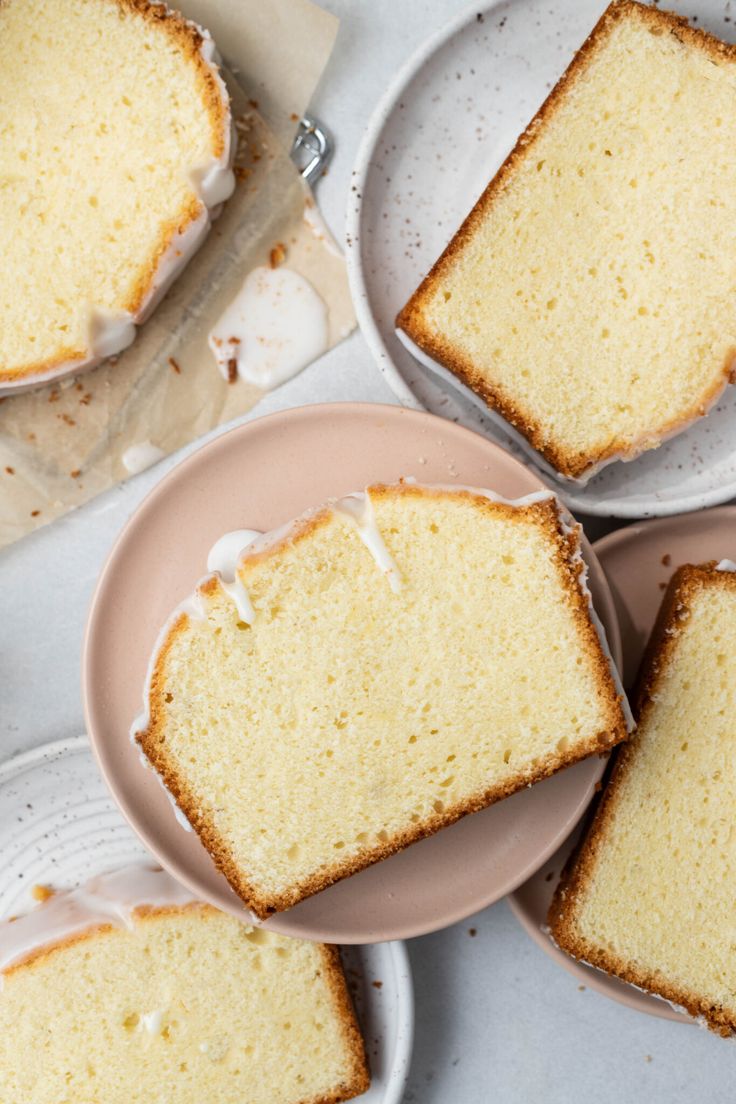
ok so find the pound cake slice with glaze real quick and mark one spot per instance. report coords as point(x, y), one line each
point(108, 173)
point(379, 668)
point(649, 897)
point(128, 990)
point(588, 297)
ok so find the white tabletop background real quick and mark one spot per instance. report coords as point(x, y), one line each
point(496, 1019)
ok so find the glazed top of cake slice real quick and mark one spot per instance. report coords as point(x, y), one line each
point(650, 896)
point(108, 171)
point(113, 899)
point(128, 990)
point(589, 295)
point(378, 668)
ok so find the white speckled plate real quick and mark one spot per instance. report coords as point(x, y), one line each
point(435, 139)
point(59, 826)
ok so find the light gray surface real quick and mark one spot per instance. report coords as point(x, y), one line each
point(496, 1019)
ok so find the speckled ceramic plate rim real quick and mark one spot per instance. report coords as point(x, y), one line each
point(354, 213)
point(25, 759)
point(624, 508)
point(399, 989)
point(404, 1039)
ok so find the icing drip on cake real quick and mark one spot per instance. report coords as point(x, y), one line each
point(223, 560)
point(224, 555)
point(108, 899)
point(359, 509)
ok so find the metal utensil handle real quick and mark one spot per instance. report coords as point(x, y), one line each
point(312, 148)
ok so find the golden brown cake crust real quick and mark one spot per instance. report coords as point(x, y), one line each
point(579, 871)
point(155, 748)
point(410, 319)
point(189, 39)
point(359, 1079)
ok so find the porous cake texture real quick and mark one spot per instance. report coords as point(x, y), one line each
point(114, 143)
point(649, 897)
point(412, 655)
point(187, 1005)
point(588, 297)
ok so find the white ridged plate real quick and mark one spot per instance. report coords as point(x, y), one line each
point(434, 141)
point(59, 826)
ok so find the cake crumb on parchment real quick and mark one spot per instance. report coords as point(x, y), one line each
point(277, 256)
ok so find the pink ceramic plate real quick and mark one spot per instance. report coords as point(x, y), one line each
point(638, 562)
point(258, 476)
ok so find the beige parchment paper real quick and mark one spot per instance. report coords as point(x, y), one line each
point(62, 444)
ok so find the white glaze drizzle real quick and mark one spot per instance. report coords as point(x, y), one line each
point(140, 456)
point(605, 648)
point(274, 327)
point(108, 899)
point(223, 559)
point(358, 508)
point(214, 180)
point(225, 553)
point(726, 565)
point(240, 596)
point(492, 496)
point(175, 257)
point(110, 332)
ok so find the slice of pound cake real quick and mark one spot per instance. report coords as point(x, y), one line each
point(108, 172)
point(650, 895)
point(128, 991)
point(378, 669)
point(588, 297)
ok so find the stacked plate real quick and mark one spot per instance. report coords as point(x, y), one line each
point(453, 113)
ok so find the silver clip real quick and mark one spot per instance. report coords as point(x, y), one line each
point(312, 148)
